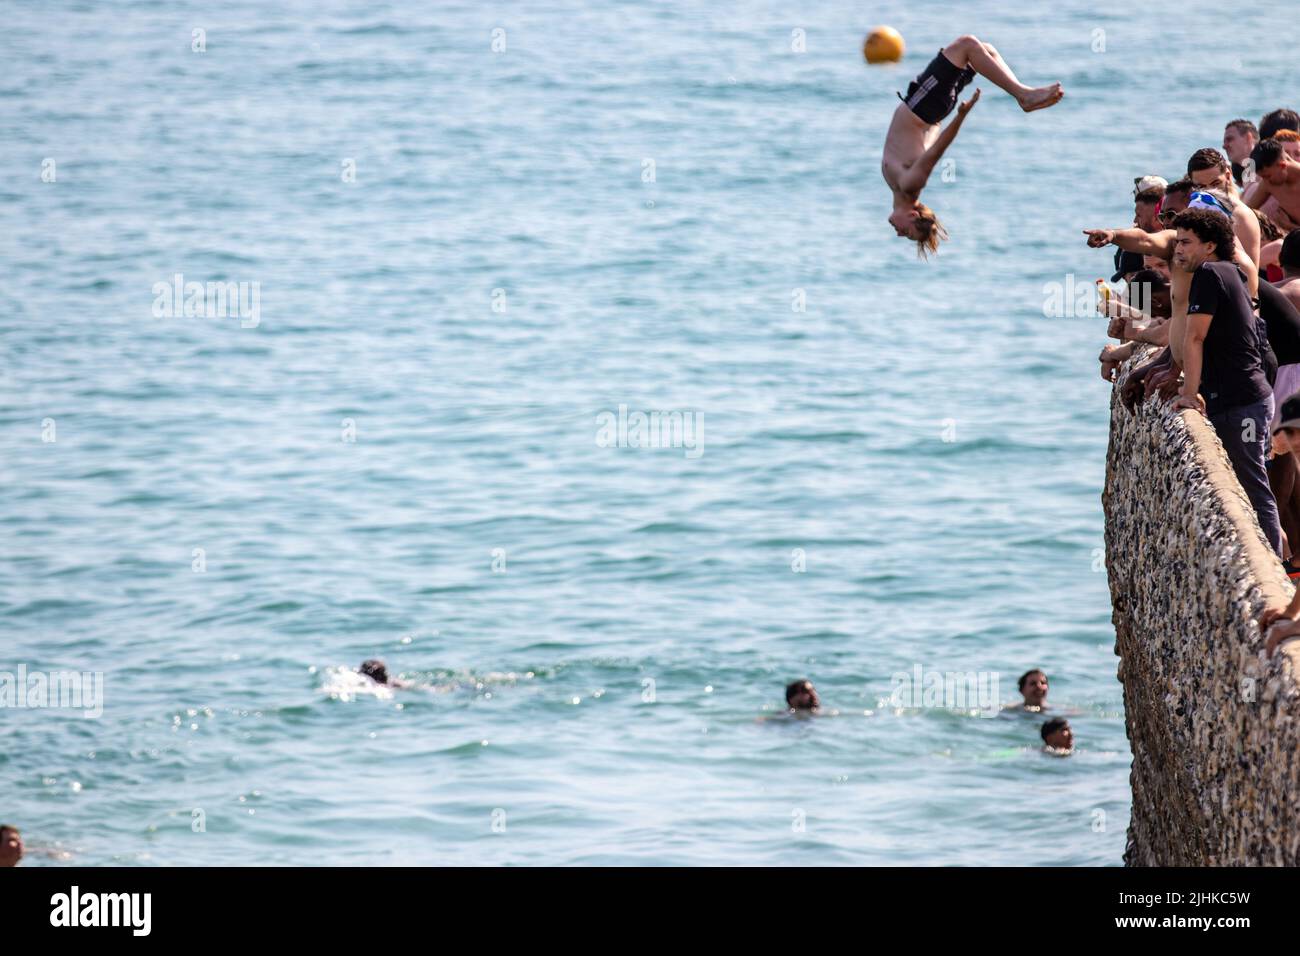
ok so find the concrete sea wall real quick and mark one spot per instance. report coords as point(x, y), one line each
point(1214, 724)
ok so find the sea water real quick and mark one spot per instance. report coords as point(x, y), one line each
point(481, 241)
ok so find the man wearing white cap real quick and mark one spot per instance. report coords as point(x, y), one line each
point(1144, 183)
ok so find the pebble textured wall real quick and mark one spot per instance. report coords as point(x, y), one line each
point(1213, 723)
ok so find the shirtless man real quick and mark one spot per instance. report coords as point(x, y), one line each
point(800, 695)
point(1033, 688)
point(1058, 737)
point(1162, 373)
point(1279, 178)
point(915, 143)
point(1290, 141)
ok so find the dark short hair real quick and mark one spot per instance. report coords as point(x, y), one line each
point(1152, 195)
point(376, 670)
point(1020, 684)
point(1052, 726)
point(1207, 158)
point(1180, 186)
point(1266, 153)
point(1276, 120)
point(794, 687)
point(1289, 257)
point(1208, 226)
point(1242, 126)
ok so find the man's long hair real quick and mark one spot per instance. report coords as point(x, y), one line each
point(930, 230)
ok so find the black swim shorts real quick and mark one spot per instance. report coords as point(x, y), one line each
point(933, 94)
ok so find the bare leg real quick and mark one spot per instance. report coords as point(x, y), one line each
point(985, 60)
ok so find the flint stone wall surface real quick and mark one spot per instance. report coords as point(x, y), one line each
point(1214, 725)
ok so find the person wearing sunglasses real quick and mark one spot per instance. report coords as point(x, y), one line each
point(1174, 201)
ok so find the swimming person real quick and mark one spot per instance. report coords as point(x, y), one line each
point(915, 143)
point(1033, 688)
point(377, 671)
point(800, 695)
point(1057, 735)
point(11, 846)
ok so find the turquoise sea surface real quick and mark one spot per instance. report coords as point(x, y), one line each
point(469, 234)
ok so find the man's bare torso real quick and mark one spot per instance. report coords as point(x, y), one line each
point(908, 138)
point(1288, 197)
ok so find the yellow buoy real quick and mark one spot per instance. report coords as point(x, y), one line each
point(883, 45)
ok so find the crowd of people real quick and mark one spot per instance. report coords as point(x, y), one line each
point(1211, 273)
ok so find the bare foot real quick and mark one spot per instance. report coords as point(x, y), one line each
point(1041, 97)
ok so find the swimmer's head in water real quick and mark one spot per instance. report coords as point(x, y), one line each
point(11, 846)
point(801, 695)
point(1056, 733)
point(375, 670)
point(921, 225)
point(1033, 687)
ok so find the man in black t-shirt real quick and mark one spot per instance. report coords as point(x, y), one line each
point(1223, 366)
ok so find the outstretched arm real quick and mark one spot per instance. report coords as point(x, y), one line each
point(918, 174)
point(1134, 240)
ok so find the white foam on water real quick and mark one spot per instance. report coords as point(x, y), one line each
point(347, 684)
